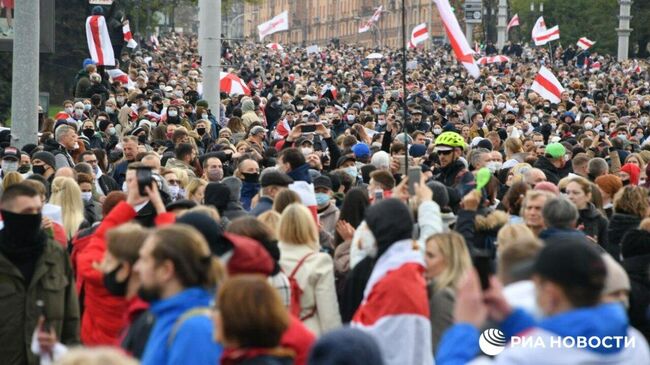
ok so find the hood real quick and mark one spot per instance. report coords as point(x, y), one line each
point(234, 185)
point(389, 221)
point(181, 302)
point(217, 195)
point(612, 321)
point(544, 163)
point(247, 105)
point(249, 257)
point(491, 222)
point(300, 173)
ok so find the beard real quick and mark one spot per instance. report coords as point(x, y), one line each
point(150, 294)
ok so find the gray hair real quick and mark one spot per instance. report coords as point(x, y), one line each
point(381, 160)
point(62, 131)
point(560, 213)
point(597, 166)
point(476, 155)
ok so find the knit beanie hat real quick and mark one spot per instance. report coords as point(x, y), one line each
point(609, 183)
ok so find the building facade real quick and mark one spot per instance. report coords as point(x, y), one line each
point(320, 21)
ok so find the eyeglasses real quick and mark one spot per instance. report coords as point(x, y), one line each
point(445, 152)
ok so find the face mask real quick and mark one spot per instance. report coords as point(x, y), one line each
point(9, 166)
point(553, 125)
point(178, 94)
point(38, 170)
point(78, 113)
point(626, 182)
point(112, 285)
point(109, 110)
point(299, 107)
point(588, 126)
point(639, 136)
point(437, 131)
point(204, 116)
point(252, 178)
point(351, 117)
point(605, 120)
point(120, 100)
point(494, 166)
point(215, 175)
point(111, 131)
point(69, 110)
point(86, 195)
point(88, 132)
point(622, 136)
point(174, 190)
point(172, 113)
point(375, 110)
point(501, 105)
point(381, 121)
point(200, 131)
point(172, 82)
point(21, 229)
point(539, 143)
point(306, 151)
point(352, 171)
point(87, 107)
point(322, 199)
point(142, 138)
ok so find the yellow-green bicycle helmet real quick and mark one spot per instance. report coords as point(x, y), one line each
point(451, 139)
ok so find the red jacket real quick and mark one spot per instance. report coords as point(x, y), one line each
point(298, 338)
point(103, 319)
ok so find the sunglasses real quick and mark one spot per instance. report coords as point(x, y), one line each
point(445, 152)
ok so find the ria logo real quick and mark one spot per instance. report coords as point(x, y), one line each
point(492, 342)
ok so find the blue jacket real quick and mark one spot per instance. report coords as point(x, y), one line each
point(460, 343)
point(193, 342)
point(263, 205)
point(248, 191)
point(119, 173)
point(300, 173)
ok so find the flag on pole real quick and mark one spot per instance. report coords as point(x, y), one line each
point(541, 35)
point(128, 37)
point(514, 22)
point(119, 75)
point(394, 308)
point(277, 24)
point(585, 43)
point(99, 42)
point(547, 85)
point(419, 34)
point(375, 18)
point(462, 49)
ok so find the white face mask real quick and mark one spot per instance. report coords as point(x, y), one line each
point(9, 166)
point(437, 131)
point(588, 126)
point(381, 121)
point(86, 195)
point(306, 151)
point(172, 113)
point(539, 143)
point(204, 116)
point(174, 190)
point(69, 110)
point(494, 166)
point(78, 113)
point(109, 110)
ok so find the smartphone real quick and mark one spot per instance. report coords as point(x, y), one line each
point(145, 178)
point(484, 268)
point(379, 195)
point(308, 128)
point(414, 174)
point(601, 134)
point(40, 305)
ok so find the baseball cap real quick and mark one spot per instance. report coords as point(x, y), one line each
point(258, 129)
point(343, 159)
point(572, 263)
point(418, 150)
point(271, 177)
point(555, 150)
point(361, 150)
point(11, 153)
point(323, 182)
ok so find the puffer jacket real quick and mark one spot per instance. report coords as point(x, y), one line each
point(593, 224)
point(619, 224)
point(480, 231)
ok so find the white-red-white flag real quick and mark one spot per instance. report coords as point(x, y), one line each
point(493, 59)
point(118, 75)
point(459, 44)
point(585, 43)
point(99, 42)
point(307, 196)
point(277, 24)
point(419, 34)
point(395, 309)
point(128, 37)
point(514, 22)
point(373, 19)
point(547, 85)
point(542, 35)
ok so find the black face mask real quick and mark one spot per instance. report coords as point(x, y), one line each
point(626, 182)
point(142, 138)
point(23, 169)
point(251, 178)
point(38, 169)
point(200, 131)
point(88, 132)
point(112, 285)
point(22, 234)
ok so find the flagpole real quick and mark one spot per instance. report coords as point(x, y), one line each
point(406, 149)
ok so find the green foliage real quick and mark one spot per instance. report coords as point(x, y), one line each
point(594, 19)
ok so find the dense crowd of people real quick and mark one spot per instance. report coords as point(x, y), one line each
point(327, 218)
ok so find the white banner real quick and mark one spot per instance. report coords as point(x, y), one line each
point(277, 24)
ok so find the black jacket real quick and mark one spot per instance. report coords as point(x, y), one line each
point(594, 224)
point(449, 175)
point(108, 184)
point(619, 224)
point(637, 269)
point(355, 283)
point(552, 173)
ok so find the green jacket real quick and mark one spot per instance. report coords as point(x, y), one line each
point(53, 282)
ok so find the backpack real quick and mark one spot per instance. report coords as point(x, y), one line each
point(296, 291)
point(190, 313)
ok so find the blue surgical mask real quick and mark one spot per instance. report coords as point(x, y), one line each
point(352, 171)
point(322, 199)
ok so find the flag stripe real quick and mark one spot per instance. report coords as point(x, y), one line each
point(94, 28)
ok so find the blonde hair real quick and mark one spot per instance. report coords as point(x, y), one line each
point(67, 195)
point(297, 226)
point(193, 186)
point(96, 356)
point(511, 233)
point(182, 176)
point(454, 251)
point(11, 178)
point(518, 171)
point(513, 145)
point(271, 219)
point(208, 210)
